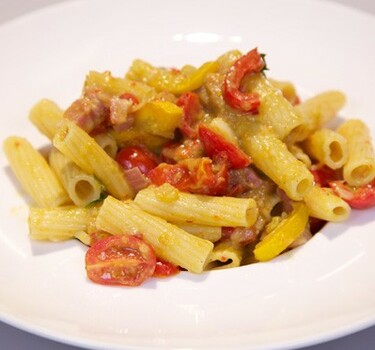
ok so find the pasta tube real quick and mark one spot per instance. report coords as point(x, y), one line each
point(81, 187)
point(316, 112)
point(328, 147)
point(284, 234)
point(323, 204)
point(271, 155)
point(162, 79)
point(46, 115)
point(197, 209)
point(300, 154)
point(225, 255)
point(360, 167)
point(211, 233)
point(57, 224)
point(82, 149)
point(169, 242)
point(34, 173)
point(108, 143)
point(287, 89)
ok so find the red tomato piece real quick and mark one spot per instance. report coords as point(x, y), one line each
point(165, 269)
point(137, 156)
point(175, 174)
point(191, 106)
point(120, 260)
point(323, 175)
point(130, 96)
point(250, 63)
point(174, 152)
point(357, 197)
point(193, 175)
point(216, 146)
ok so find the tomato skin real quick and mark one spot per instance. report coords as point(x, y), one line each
point(173, 152)
point(358, 198)
point(120, 260)
point(193, 175)
point(189, 102)
point(323, 175)
point(165, 269)
point(216, 146)
point(250, 63)
point(130, 96)
point(137, 156)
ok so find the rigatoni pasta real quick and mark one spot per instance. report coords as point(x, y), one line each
point(273, 157)
point(323, 204)
point(195, 169)
point(46, 115)
point(197, 209)
point(34, 173)
point(328, 147)
point(81, 187)
point(360, 167)
point(90, 157)
point(169, 241)
point(57, 224)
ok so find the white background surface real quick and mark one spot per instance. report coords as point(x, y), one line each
point(12, 338)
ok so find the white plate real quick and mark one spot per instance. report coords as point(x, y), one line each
point(321, 291)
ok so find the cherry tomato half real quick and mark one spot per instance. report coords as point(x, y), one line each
point(357, 197)
point(120, 260)
point(137, 156)
point(165, 269)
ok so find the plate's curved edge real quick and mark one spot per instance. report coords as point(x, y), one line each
point(100, 345)
point(79, 342)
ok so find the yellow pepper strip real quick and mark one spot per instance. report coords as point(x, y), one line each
point(117, 86)
point(284, 234)
point(169, 80)
point(159, 118)
point(134, 136)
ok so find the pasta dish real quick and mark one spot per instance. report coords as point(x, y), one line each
point(191, 168)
